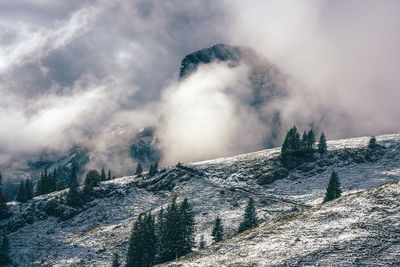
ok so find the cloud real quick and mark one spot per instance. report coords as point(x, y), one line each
point(95, 72)
point(203, 118)
point(341, 56)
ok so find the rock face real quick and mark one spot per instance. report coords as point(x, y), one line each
point(144, 146)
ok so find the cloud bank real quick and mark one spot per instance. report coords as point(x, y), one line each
point(95, 72)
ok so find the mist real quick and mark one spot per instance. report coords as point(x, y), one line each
point(97, 72)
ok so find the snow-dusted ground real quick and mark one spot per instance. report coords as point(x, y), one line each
point(360, 229)
point(214, 187)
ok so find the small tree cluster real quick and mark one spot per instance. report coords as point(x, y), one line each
point(168, 238)
point(25, 191)
point(47, 183)
point(3, 202)
point(294, 145)
point(153, 168)
point(249, 218)
point(4, 251)
point(333, 190)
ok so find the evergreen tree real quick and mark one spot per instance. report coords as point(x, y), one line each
point(45, 183)
point(187, 228)
point(109, 175)
point(39, 186)
point(170, 234)
point(92, 179)
point(21, 194)
point(310, 140)
point(28, 189)
point(4, 251)
point(155, 167)
point(159, 225)
point(202, 243)
point(103, 176)
point(151, 170)
point(139, 170)
point(218, 230)
point(142, 244)
point(372, 143)
point(72, 197)
point(115, 262)
point(52, 181)
point(3, 202)
point(322, 147)
point(249, 218)
point(303, 142)
point(292, 144)
point(333, 190)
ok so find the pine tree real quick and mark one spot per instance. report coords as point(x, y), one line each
point(139, 170)
point(372, 143)
point(45, 182)
point(103, 176)
point(39, 186)
point(29, 189)
point(151, 170)
point(115, 262)
point(92, 179)
point(249, 218)
point(53, 181)
point(292, 143)
point(156, 167)
point(135, 250)
point(202, 243)
point(333, 190)
point(142, 244)
point(187, 228)
point(4, 251)
point(3, 201)
point(159, 225)
point(109, 175)
point(322, 147)
point(218, 230)
point(21, 194)
point(170, 234)
point(310, 141)
point(72, 197)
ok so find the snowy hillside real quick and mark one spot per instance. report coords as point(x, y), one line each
point(360, 229)
point(89, 236)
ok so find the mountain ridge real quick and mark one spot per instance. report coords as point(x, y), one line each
point(89, 236)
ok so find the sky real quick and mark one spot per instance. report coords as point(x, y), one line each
point(96, 72)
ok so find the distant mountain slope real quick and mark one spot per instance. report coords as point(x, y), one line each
point(360, 229)
point(90, 235)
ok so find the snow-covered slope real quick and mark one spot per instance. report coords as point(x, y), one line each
point(89, 236)
point(360, 229)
